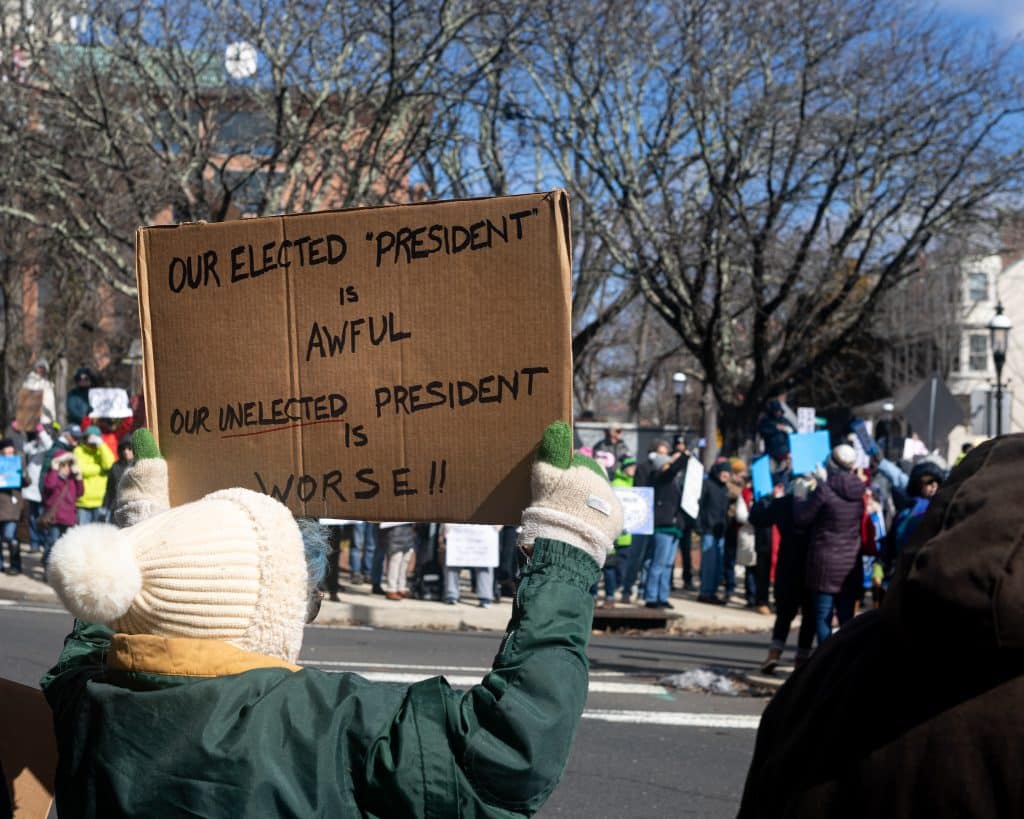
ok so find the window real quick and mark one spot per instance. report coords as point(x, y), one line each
point(245, 132)
point(977, 286)
point(978, 351)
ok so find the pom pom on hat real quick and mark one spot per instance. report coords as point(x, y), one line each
point(95, 573)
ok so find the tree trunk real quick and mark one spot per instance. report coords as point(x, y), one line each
point(738, 425)
point(710, 427)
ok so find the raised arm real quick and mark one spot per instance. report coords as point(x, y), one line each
point(499, 749)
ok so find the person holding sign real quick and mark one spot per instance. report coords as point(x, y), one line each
point(177, 693)
point(467, 546)
point(39, 380)
point(667, 525)
point(11, 506)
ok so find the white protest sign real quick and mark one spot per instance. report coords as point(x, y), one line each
point(693, 482)
point(470, 545)
point(109, 402)
point(913, 448)
point(637, 509)
point(805, 419)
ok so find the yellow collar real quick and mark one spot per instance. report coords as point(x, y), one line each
point(185, 656)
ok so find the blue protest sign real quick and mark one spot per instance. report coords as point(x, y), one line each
point(637, 509)
point(761, 477)
point(10, 472)
point(809, 451)
point(866, 439)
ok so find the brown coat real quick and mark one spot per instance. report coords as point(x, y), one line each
point(914, 709)
point(11, 505)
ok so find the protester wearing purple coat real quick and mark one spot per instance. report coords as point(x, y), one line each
point(62, 487)
point(832, 515)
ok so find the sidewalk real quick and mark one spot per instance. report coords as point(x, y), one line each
point(358, 606)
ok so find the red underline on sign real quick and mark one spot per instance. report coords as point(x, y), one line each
point(279, 429)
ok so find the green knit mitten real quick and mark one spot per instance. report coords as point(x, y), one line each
point(571, 499)
point(142, 491)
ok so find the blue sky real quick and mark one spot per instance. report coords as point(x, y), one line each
point(1003, 17)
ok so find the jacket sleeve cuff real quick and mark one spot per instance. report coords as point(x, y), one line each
point(565, 562)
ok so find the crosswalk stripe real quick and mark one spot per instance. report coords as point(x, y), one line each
point(40, 609)
point(676, 719)
point(465, 681)
point(355, 665)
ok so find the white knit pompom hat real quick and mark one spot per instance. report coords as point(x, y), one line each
point(229, 567)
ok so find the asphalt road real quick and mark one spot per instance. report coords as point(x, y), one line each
point(642, 750)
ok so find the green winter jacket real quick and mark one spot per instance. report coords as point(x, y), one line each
point(174, 727)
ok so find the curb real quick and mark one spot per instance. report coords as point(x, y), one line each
point(357, 607)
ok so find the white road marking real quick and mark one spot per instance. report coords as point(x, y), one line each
point(465, 680)
point(339, 627)
point(676, 719)
point(45, 610)
point(437, 669)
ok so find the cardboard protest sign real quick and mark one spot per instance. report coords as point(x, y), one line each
point(761, 477)
point(109, 402)
point(809, 451)
point(28, 750)
point(10, 472)
point(395, 363)
point(28, 409)
point(467, 545)
point(637, 509)
point(693, 485)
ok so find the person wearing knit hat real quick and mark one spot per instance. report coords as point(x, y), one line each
point(843, 457)
point(178, 694)
point(832, 515)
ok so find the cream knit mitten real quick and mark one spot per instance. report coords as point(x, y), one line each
point(572, 500)
point(142, 491)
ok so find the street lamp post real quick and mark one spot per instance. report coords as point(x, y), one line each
point(678, 387)
point(889, 408)
point(999, 333)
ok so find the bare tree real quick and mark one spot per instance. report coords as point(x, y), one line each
point(766, 172)
point(625, 370)
point(137, 112)
point(492, 148)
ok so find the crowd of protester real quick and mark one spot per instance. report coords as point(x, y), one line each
point(822, 545)
point(68, 473)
